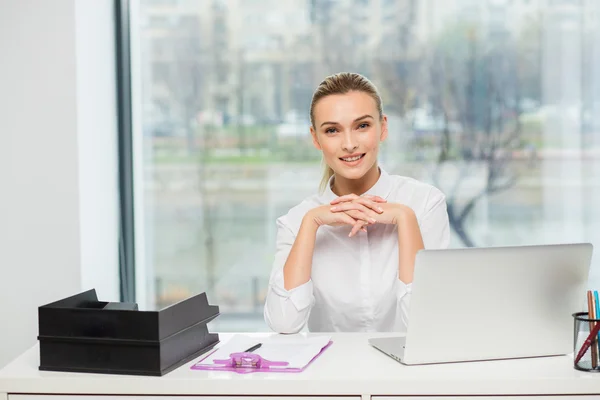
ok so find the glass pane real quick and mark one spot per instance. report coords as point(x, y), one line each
point(495, 102)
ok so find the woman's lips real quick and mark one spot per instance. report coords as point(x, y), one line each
point(355, 162)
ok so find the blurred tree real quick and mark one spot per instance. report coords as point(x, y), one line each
point(529, 57)
point(475, 86)
point(189, 63)
point(182, 58)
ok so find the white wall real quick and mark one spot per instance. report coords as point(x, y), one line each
point(58, 171)
point(97, 133)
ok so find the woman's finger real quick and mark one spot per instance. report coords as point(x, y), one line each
point(370, 204)
point(375, 198)
point(357, 227)
point(354, 206)
point(360, 216)
point(347, 219)
point(347, 197)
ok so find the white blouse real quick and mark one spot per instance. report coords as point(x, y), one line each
point(354, 285)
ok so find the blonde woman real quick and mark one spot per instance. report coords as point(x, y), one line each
point(345, 257)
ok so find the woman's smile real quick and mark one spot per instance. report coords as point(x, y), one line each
point(353, 160)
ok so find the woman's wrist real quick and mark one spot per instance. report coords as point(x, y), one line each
point(403, 213)
point(309, 221)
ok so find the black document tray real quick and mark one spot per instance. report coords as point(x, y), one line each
point(82, 334)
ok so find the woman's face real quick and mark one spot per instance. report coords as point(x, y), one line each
point(347, 129)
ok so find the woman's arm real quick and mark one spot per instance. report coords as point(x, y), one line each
point(409, 233)
point(409, 242)
point(432, 232)
point(298, 265)
point(290, 295)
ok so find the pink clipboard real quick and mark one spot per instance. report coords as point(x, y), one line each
point(244, 363)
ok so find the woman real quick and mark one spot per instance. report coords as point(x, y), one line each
point(345, 257)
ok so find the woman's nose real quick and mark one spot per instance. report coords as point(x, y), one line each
point(349, 143)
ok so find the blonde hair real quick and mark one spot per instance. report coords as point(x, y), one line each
point(342, 83)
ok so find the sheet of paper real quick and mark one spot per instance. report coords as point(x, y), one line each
point(236, 344)
point(297, 350)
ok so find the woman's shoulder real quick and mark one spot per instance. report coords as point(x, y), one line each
point(418, 194)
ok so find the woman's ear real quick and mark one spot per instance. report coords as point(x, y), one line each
point(315, 140)
point(384, 128)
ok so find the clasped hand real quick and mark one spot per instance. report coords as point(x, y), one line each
point(358, 211)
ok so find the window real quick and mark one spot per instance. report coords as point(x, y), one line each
point(507, 125)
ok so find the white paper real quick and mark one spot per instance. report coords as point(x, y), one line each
point(297, 350)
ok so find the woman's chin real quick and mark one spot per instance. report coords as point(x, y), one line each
point(350, 172)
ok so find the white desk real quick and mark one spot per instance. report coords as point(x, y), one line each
point(350, 367)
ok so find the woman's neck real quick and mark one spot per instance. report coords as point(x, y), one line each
point(342, 186)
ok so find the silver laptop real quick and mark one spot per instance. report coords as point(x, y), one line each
point(492, 303)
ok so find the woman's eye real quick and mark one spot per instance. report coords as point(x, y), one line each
point(330, 130)
point(363, 126)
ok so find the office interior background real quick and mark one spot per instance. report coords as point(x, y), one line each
point(173, 188)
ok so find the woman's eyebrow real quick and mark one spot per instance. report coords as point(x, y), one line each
point(363, 117)
point(356, 120)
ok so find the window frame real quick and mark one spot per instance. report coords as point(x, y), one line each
point(127, 287)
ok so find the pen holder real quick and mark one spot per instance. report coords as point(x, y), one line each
point(586, 352)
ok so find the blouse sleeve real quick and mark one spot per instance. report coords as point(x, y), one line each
point(286, 311)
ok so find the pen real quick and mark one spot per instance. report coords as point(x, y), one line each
point(251, 349)
point(591, 316)
point(596, 316)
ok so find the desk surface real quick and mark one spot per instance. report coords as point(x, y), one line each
point(349, 367)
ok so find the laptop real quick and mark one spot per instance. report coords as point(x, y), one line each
point(492, 303)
